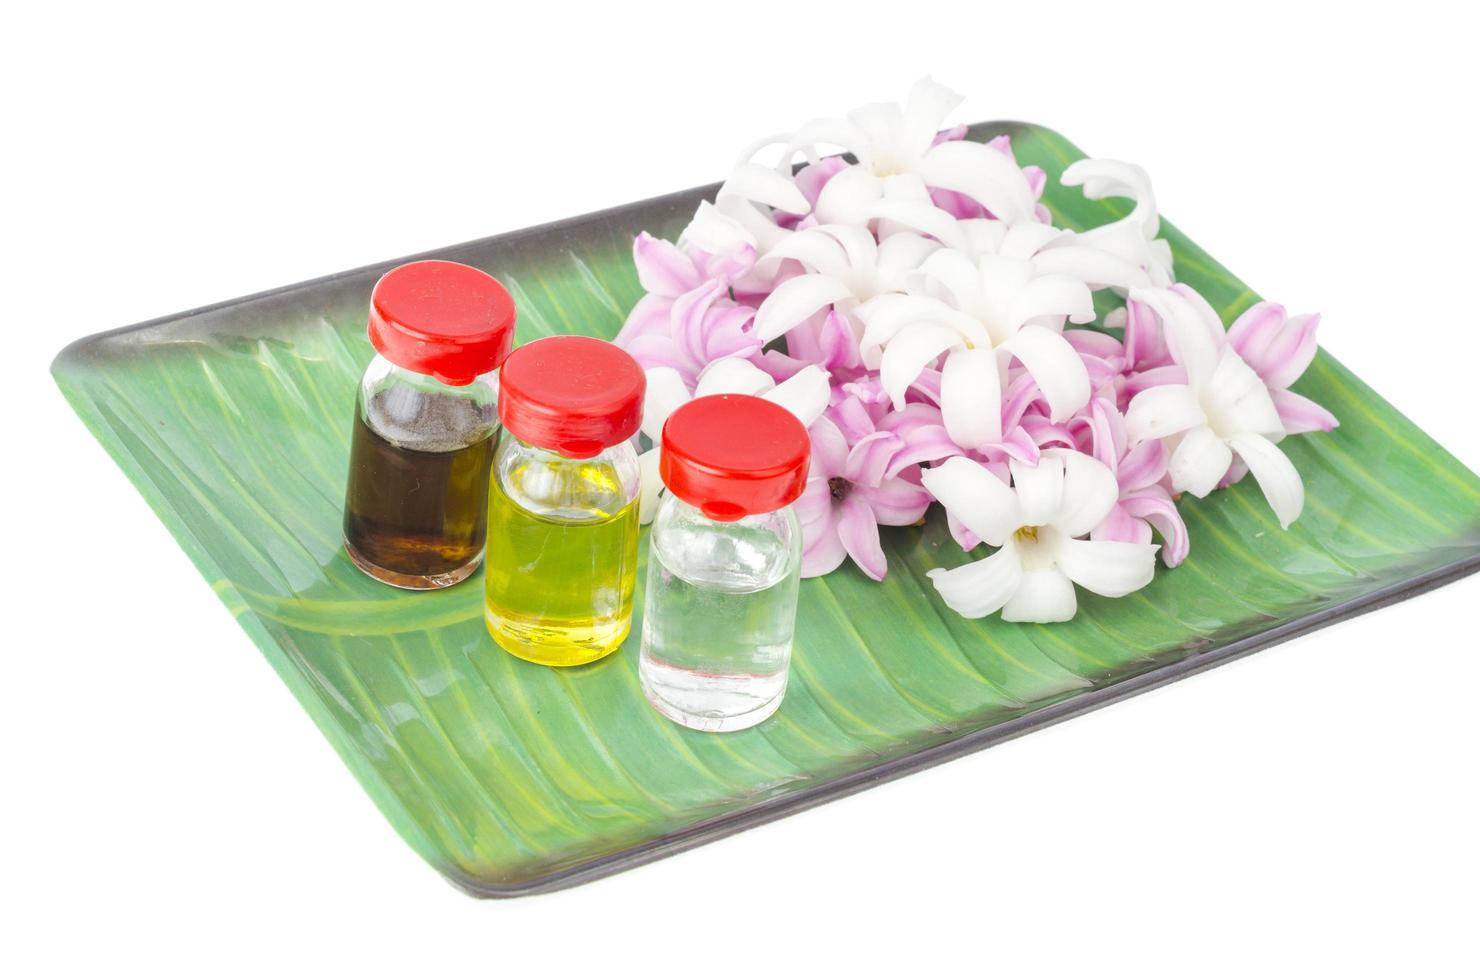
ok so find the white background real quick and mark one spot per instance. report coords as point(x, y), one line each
point(168, 809)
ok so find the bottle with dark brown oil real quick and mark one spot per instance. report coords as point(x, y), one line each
point(416, 503)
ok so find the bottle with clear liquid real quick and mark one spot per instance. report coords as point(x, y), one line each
point(417, 494)
point(563, 502)
point(724, 563)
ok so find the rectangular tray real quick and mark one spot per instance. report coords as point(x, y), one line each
point(233, 422)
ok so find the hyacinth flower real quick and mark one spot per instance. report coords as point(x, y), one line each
point(913, 305)
point(805, 394)
point(1144, 504)
point(1038, 526)
point(898, 155)
point(686, 320)
point(843, 266)
point(1133, 237)
point(979, 316)
point(961, 206)
point(1279, 348)
point(849, 493)
point(1222, 412)
point(1050, 251)
point(765, 201)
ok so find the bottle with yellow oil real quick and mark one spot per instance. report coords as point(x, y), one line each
point(561, 562)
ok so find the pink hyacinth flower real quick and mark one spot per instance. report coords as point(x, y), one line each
point(1279, 348)
point(848, 495)
point(1144, 504)
point(686, 321)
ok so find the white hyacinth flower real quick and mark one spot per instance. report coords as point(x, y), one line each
point(1038, 526)
point(1133, 237)
point(1224, 409)
point(980, 315)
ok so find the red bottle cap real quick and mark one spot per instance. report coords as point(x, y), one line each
point(443, 319)
point(732, 456)
point(572, 395)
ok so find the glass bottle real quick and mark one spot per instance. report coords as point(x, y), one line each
point(563, 504)
point(416, 497)
point(724, 563)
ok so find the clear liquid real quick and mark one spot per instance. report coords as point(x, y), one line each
point(717, 624)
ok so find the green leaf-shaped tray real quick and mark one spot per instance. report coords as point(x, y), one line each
point(233, 421)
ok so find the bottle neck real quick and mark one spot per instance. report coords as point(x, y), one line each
point(545, 482)
point(416, 411)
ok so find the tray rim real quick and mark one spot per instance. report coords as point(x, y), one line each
point(766, 811)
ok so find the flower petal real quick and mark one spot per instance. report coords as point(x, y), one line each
point(651, 315)
point(1155, 506)
point(692, 323)
point(795, 300)
point(870, 456)
point(975, 497)
point(1094, 267)
point(859, 533)
point(762, 184)
point(1143, 466)
point(813, 248)
point(925, 444)
point(1254, 330)
point(665, 392)
point(954, 271)
point(980, 588)
point(899, 254)
point(654, 350)
point(1055, 366)
point(661, 267)
point(733, 376)
point(1120, 525)
point(910, 352)
point(829, 449)
point(926, 108)
point(1299, 414)
point(1239, 400)
point(1040, 490)
point(652, 485)
point(815, 502)
point(822, 549)
point(961, 534)
point(1089, 492)
point(1291, 352)
point(895, 502)
point(885, 317)
point(1045, 596)
point(1145, 345)
point(1107, 568)
point(849, 197)
point(1189, 337)
point(971, 397)
point(1052, 296)
point(1199, 462)
point(716, 233)
point(1162, 411)
point(804, 394)
point(1276, 475)
point(915, 216)
point(982, 174)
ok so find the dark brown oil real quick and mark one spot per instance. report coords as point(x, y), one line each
point(418, 515)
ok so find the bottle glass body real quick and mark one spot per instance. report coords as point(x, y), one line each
point(719, 615)
point(562, 551)
point(416, 498)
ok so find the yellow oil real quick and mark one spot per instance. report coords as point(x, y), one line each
point(558, 586)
